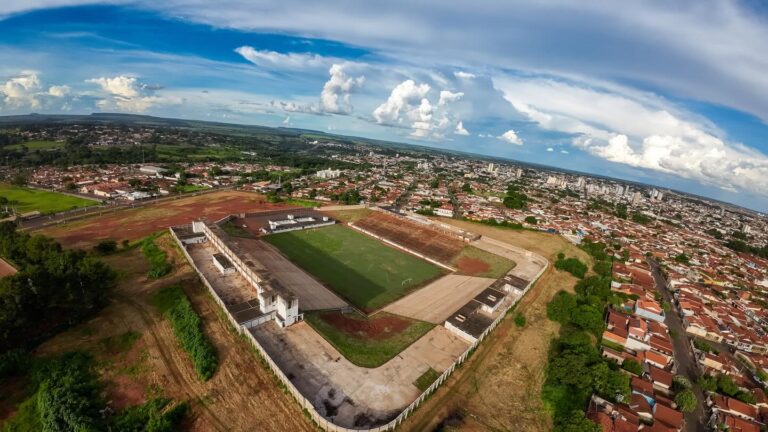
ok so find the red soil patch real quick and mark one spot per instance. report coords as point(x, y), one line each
point(427, 241)
point(6, 269)
point(137, 223)
point(124, 392)
point(472, 266)
point(377, 328)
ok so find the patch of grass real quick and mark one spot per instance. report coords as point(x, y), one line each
point(235, 231)
point(119, 343)
point(361, 269)
point(426, 379)
point(361, 349)
point(302, 203)
point(498, 265)
point(190, 188)
point(27, 200)
point(159, 265)
point(350, 215)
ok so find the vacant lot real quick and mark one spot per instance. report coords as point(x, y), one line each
point(27, 200)
point(413, 235)
point(36, 145)
point(359, 268)
point(139, 357)
point(133, 224)
point(472, 261)
point(367, 342)
point(499, 388)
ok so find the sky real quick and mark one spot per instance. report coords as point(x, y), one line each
point(673, 94)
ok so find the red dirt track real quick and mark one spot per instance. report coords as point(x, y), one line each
point(380, 327)
point(429, 242)
point(137, 223)
point(472, 266)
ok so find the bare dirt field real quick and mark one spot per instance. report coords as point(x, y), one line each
point(499, 388)
point(241, 396)
point(420, 238)
point(349, 394)
point(440, 299)
point(133, 224)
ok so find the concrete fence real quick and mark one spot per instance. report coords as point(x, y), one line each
point(305, 403)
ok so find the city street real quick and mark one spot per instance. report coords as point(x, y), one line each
point(686, 364)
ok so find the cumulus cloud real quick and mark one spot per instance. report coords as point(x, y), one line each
point(638, 130)
point(550, 149)
point(58, 90)
point(276, 60)
point(22, 90)
point(408, 105)
point(126, 93)
point(335, 95)
point(511, 137)
point(460, 130)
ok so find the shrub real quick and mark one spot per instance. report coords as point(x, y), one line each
point(632, 366)
point(561, 307)
point(520, 320)
point(159, 266)
point(572, 266)
point(686, 401)
point(105, 247)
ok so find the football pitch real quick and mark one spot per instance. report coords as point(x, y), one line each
point(366, 272)
point(28, 199)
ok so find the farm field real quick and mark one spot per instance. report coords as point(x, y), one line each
point(36, 145)
point(361, 269)
point(133, 224)
point(26, 200)
point(367, 341)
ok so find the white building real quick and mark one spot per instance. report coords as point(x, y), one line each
point(328, 174)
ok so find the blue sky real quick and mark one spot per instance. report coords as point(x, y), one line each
point(674, 96)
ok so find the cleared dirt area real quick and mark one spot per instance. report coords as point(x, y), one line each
point(133, 224)
point(354, 396)
point(232, 288)
point(241, 396)
point(499, 388)
point(420, 238)
point(437, 301)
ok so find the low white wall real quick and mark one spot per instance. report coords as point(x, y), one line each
point(401, 247)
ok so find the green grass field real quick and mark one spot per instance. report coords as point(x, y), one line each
point(27, 200)
point(191, 188)
point(36, 145)
point(368, 341)
point(498, 265)
point(426, 379)
point(366, 272)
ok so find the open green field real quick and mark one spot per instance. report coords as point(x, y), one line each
point(36, 145)
point(191, 188)
point(366, 272)
point(27, 200)
point(367, 341)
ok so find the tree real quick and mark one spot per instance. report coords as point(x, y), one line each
point(609, 383)
point(632, 366)
point(561, 307)
point(588, 318)
point(577, 422)
point(680, 383)
point(466, 187)
point(726, 385)
point(686, 401)
point(520, 320)
point(105, 247)
point(708, 383)
point(683, 258)
point(531, 220)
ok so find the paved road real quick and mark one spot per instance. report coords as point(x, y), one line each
point(686, 364)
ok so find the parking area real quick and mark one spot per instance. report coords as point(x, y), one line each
point(440, 299)
point(350, 395)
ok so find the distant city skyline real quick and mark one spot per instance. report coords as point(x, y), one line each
point(673, 97)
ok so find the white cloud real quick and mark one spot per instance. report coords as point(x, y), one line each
point(59, 90)
point(274, 59)
point(638, 130)
point(335, 95)
point(460, 130)
point(550, 149)
point(22, 90)
point(564, 152)
point(464, 75)
point(126, 93)
point(447, 97)
point(401, 101)
point(511, 137)
point(287, 120)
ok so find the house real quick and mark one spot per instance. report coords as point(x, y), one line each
point(668, 417)
point(649, 309)
point(490, 299)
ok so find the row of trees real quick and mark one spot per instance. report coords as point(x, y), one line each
point(53, 288)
